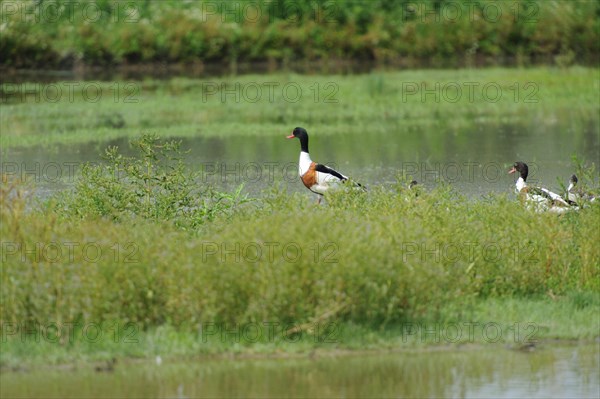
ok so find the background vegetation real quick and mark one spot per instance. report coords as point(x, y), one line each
point(57, 34)
point(380, 102)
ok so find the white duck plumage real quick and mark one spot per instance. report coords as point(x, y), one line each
point(537, 198)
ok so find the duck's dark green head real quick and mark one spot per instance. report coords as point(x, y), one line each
point(302, 134)
point(520, 167)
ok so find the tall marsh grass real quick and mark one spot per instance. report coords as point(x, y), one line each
point(385, 256)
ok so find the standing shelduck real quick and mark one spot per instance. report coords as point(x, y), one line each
point(537, 198)
point(317, 177)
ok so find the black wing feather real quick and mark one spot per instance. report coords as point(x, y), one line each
point(325, 169)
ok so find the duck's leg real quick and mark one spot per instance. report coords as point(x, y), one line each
point(319, 200)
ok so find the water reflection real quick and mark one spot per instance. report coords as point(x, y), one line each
point(564, 371)
point(201, 70)
point(474, 160)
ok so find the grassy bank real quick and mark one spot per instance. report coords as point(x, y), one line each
point(65, 34)
point(438, 100)
point(388, 261)
point(515, 323)
point(136, 251)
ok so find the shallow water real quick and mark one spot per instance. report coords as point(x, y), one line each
point(547, 372)
point(474, 161)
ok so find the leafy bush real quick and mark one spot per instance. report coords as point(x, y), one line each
point(154, 185)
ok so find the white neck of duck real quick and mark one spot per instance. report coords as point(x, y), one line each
point(304, 163)
point(520, 185)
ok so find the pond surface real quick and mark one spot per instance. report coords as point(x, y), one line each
point(474, 161)
point(487, 372)
point(390, 134)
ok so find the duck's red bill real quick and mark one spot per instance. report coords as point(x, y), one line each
point(291, 136)
point(513, 170)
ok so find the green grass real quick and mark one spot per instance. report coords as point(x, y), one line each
point(377, 257)
point(375, 103)
point(362, 267)
point(511, 322)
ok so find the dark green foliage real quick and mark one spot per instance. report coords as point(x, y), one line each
point(109, 33)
